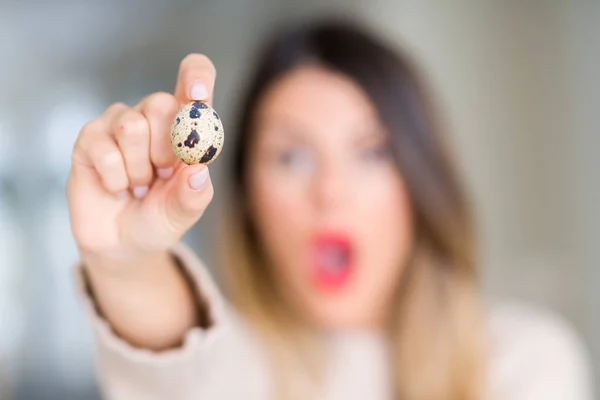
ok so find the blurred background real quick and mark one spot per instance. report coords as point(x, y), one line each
point(517, 82)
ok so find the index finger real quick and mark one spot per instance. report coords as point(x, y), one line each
point(196, 79)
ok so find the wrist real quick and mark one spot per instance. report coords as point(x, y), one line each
point(123, 265)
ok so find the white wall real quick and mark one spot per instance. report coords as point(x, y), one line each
point(584, 85)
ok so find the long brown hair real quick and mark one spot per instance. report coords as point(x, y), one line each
point(437, 331)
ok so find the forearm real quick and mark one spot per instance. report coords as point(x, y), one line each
point(147, 301)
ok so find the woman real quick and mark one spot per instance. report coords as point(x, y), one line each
point(350, 252)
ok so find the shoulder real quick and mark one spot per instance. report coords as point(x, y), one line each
point(535, 353)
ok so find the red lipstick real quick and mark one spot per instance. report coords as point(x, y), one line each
point(332, 261)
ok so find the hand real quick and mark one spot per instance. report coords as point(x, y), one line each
point(129, 196)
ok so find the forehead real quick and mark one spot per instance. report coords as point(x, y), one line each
point(313, 95)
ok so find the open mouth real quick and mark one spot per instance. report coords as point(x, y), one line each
point(332, 259)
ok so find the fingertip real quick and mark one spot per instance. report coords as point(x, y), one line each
point(165, 173)
point(196, 79)
point(199, 178)
point(185, 171)
point(191, 195)
point(190, 168)
point(139, 192)
point(198, 91)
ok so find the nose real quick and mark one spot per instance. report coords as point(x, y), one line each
point(332, 186)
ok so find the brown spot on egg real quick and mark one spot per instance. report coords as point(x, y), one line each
point(192, 140)
point(210, 153)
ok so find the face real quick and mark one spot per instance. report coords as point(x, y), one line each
point(328, 202)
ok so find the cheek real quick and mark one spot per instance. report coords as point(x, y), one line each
point(389, 218)
point(385, 222)
point(281, 216)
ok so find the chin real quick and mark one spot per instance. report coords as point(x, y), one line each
point(340, 317)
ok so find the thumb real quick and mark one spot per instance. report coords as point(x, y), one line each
point(189, 196)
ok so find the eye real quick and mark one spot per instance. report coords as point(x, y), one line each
point(295, 158)
point(376, 153)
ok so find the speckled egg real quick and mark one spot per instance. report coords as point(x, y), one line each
point(197, 133)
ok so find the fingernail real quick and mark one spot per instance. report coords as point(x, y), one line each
point(198, 92)
point(164, 173)
point(123, 194)
point(198, 180)
point(140, 191)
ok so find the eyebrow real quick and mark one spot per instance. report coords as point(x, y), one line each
point(289, 129)
point(283, 126)
point(371, 134)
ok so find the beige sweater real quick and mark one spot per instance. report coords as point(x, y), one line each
point(535, 355)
